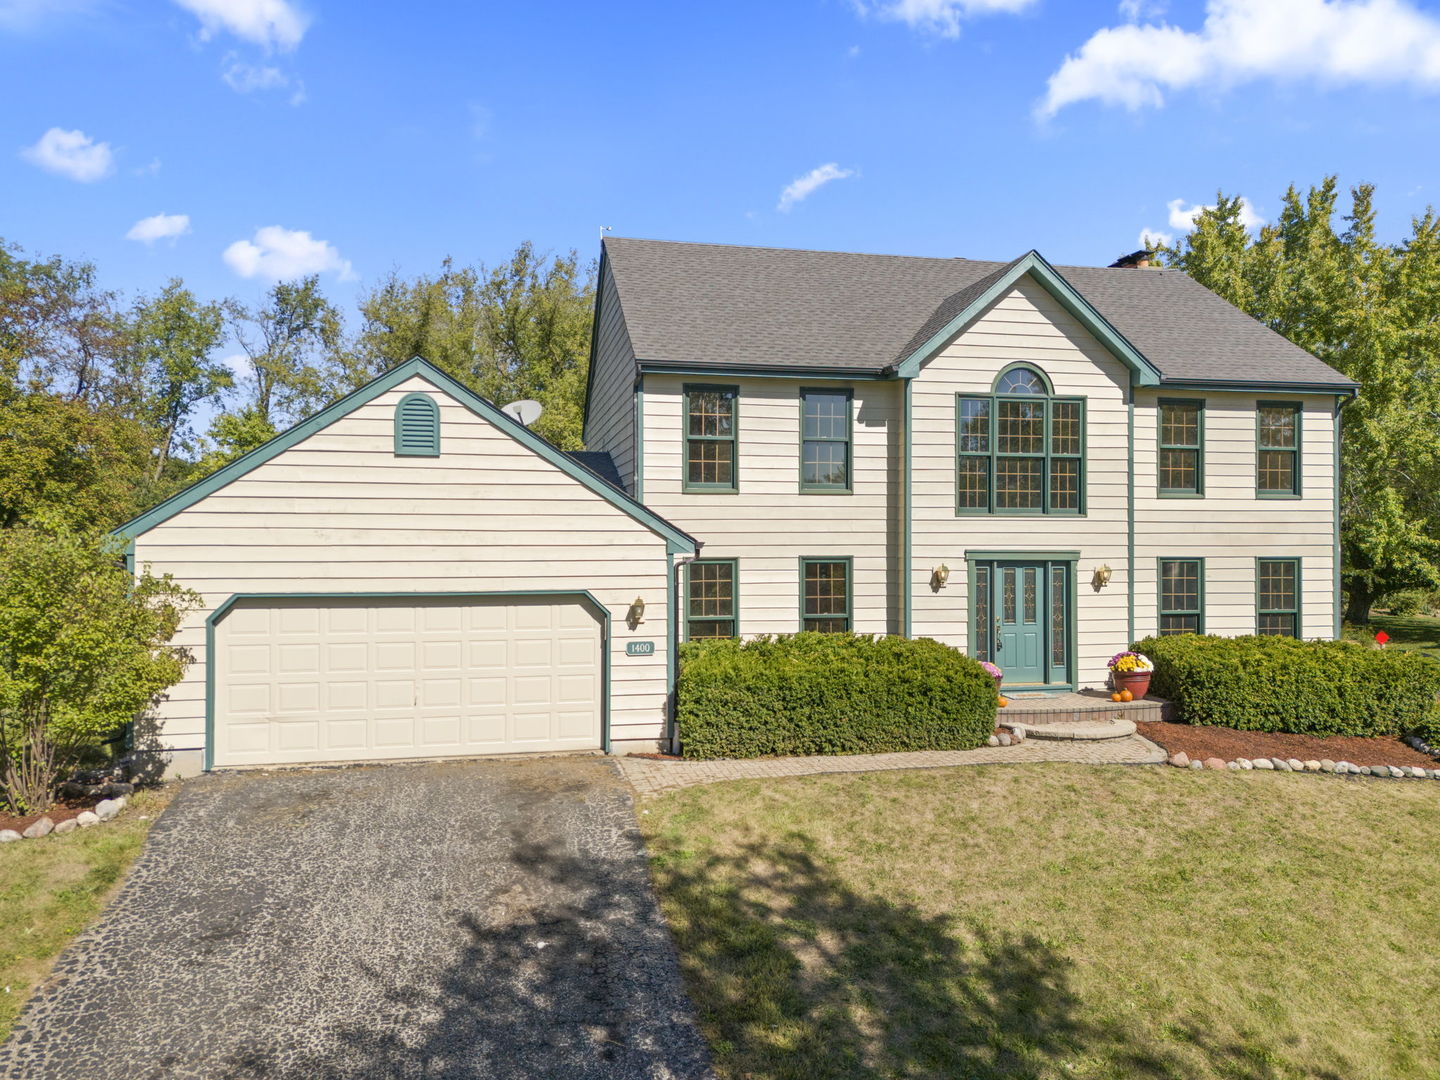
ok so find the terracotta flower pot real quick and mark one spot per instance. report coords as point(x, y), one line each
point(1137, 682)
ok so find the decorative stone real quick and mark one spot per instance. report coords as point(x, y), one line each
point(87, 818)
point(1416, 772)
point(1326, 765)
point(37, 829)
point(66, 826)
point(1364, 770)
point(116, 789)
point(106, 809)
point(1197, 764)
point(8, 836)
point(1396, 771)
point(1244, 763)
point(1296, 765)
point(1281, 765)
point(1004, 739)
point(1180, 760)
point(1312, 766)
point(1233, 766)
point(1215, 763)
point(1263, 763)
point(994, 740)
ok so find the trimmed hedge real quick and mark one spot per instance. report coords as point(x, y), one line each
point(813, 693)
point(1304, 687)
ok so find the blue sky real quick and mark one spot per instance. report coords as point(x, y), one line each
point(352, 138)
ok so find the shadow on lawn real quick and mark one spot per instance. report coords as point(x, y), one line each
point(797, 975)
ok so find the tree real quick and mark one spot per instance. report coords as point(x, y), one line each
point(232, 436)
point(287, 340)
point(171, 339)
point(1372, 311)
point(84, 649)
point(521, 329)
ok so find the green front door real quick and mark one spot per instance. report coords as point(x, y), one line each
point(1020, 612)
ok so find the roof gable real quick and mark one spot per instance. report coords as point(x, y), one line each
point(959, 311)
point(676, 540)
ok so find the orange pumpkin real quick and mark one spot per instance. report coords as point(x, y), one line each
point(1002, 702)
point(1126, 695)
point(1116, 696)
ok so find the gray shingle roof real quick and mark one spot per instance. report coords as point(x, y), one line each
point(600, 463)
point(720, 306)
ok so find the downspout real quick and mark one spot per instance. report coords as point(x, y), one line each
point(906, 597)
point(1130, 518)
point(672, 646)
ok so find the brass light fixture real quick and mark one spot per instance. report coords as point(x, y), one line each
point(1101, 577)
point(939, 576)
point(636, 615)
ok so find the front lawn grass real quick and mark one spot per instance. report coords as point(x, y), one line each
point(1057, 921)
point(51, 888)
point(1418, 632)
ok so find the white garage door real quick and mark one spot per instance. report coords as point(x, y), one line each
point(353, 680)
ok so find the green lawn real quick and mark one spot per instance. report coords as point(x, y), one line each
point(50, 890)
point(1418, 632)
point(1057, 921)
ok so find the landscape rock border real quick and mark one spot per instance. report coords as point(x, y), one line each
point(105, 810)
point(1338, 768)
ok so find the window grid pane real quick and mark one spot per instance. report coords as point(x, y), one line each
point(1020, 427)
point(710, 446)
point(1065, 428)
point(826, 595)
point(1278, 450)
point(1181, 584)
point(1021, 381)
point(1278, 597)
point(825, 439)
point(973, 483)
point(1019, 483)
point(710, 600)
point(974, 426)
point(1019, 456)
point(1277, 470)
point(825, 464)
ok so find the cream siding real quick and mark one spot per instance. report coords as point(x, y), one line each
point(1026, 325)
point(340, 513)
point(610, 424)
point(769, 524)
point(1231, 527)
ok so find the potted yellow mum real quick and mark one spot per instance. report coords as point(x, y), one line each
point(1131, 670)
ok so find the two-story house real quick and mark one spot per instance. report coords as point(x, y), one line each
point(1035, 465)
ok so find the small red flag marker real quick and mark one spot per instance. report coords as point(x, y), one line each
point(1382, 637)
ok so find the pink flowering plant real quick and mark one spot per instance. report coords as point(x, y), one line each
point(1130, 661)
point(993, 671)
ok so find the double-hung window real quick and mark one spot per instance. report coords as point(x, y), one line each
point(1277, 464)
point(825, 440)
point(1277, 597)
point(1182, 596)
point(1180, 462)
point(825, 602)
point(710, 595)
point(710, 432)
point(1020, 450)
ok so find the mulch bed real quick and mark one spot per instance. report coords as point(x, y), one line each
point(1228, 744)
point(61, 811)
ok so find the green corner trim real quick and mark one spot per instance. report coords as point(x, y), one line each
point(1029, 555)
point(907, 523)
point(1339, 593)
point(676, 540)
point(213, 619)
point(672, 643)
point(1142, 372)
point(1130, 518)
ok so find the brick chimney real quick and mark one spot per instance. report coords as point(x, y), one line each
point(1136, 260)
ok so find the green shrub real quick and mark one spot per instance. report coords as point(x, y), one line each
point(1411, 602)
point(830, 694)
point(1305, 687)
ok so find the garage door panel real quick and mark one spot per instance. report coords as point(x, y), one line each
point(337, 680)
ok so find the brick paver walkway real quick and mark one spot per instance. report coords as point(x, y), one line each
point(650, 777)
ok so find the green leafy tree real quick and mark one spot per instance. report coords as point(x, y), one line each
point(84, 649)
point(232, 436)
point(288, 340)
point(517, 330)
point(172, 337)
point(1372, 311)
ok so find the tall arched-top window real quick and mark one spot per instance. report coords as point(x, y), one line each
point(1020, 449)
point(417, 426)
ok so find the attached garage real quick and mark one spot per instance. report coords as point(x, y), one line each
point(412, 574)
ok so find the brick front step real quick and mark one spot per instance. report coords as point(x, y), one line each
point(1037, 710)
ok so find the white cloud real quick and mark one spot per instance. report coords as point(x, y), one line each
point(1153, 238)
point(801, 188)
point(71, 153)
point(1182, 220)
point(239, 365)
point(160, 227)
point(1135, 10)
point(1329, 41)
point(246, 78)
point(941, 17)
point(273, 24)
point(280, 254)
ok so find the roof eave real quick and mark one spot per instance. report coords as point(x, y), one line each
point(682, 367)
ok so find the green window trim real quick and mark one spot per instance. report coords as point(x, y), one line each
point(823, 444)
point(980, 457)
point(1264, 447)
point(708, 443)
point(711, 619)
point(846, 616)
point(1185, 609)
point(1268, 614)
point(1192, 447)
point(417, 426)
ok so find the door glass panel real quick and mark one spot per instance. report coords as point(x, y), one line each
point(1030, 583)
point(1007, 600)
point(982, 613)
point(1057, 620)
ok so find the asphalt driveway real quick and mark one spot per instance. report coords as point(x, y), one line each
point(447, 920)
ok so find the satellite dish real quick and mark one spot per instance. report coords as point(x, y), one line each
point(525, 411)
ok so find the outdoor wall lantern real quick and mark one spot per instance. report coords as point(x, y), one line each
point(1101, 577)
point(939, 576)
point(636, 615)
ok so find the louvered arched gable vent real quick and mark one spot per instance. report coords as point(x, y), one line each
point(417, 426)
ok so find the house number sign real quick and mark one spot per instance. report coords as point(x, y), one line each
point(639, 648)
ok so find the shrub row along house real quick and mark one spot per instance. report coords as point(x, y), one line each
point(1037, 465)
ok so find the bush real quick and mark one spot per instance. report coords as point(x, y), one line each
point(1411, 602)
point(1304, 687)
point(815, 693)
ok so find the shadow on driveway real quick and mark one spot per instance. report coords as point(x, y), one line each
point(446, 920)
